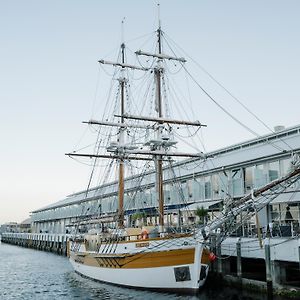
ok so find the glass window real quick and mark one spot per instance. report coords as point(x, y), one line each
point(223, 185)
point(198, 189)
point(175, 194)
point(105, 205)
point(114, 201)
point(207, 187)
point(273, 170)
point(131, 199)
point(237, 182)
point(215, 179)
point(249, 179)
point(150, 197)
point(189, 185)
point(275, 213)
point(167, 194)
point(285, 165)
point(259, 176)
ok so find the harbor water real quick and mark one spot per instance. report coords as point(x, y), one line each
point(31, 274)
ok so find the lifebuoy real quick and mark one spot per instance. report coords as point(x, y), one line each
point(144, 235)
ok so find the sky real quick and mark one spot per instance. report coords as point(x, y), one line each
point(48, 78)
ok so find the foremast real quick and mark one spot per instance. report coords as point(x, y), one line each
point(118, 150)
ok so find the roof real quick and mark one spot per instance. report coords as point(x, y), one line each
point(287, 197)
point(26, 222)
point(204, 204)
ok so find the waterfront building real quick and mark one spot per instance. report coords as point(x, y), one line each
point(226, 175)
point(9, 227)
point(24, 226)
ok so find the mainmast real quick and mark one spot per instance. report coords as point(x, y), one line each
point(121, 142)
point(159, 171)
point(160, 147)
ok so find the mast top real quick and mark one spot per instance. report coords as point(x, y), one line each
point(158, 14)
point(122, 34)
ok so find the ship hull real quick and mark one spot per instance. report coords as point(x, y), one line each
point(151, 278)
point(177, 269)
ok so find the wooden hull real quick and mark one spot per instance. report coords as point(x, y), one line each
point(163, 267)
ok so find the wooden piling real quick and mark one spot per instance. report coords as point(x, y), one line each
point(268, 270)
point(238, 259)
point(39, 241)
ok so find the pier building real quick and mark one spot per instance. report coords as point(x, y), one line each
point(225, 175)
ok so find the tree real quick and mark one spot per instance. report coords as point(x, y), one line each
point(139, 217)
point(202, 213)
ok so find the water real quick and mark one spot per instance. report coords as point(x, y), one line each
point(31, 274)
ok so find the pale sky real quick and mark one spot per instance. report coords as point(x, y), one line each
point(48, 74)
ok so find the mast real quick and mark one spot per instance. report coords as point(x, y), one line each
point(159, 169)
point(121, 143)
point(158, 146)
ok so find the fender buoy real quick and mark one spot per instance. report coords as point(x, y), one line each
point(212, 257)
point(144, 235)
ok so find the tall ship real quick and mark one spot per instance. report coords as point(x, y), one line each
point(153, 255)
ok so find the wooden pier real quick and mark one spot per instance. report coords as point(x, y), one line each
point(273, 269)
point(56, 243)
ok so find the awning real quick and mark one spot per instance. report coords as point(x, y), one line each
point(204, 204)
point(287, 197)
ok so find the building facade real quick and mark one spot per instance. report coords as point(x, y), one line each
point(228, 173)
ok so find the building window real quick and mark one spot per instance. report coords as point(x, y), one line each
point(285, 166)
point(215, 179)
point(167, 194)
point(198, 189)
point(237, 182)
point(189, 185)
point(273, 170)
point(207, 187)
point(260, 176)
point(249, 182)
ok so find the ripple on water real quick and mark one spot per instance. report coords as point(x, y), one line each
point(30, 274)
